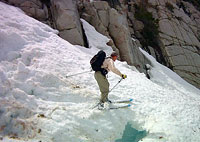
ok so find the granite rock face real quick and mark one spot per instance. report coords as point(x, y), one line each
point(174, 40)
point(113, 24)
point(59, 14)
point(33, 8)
point(67, 21)
point(177, 43)
point(178, 39)
point(179, 25)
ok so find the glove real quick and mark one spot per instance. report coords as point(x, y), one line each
point(124, 76)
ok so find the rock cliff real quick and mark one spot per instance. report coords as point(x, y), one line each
point(114, 25)
point(59, 14)
point(166, 29)
point(178, 40)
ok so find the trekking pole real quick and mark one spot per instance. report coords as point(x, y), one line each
point(78, 73)
point(116, 84)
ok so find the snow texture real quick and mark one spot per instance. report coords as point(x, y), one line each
point(39, 103)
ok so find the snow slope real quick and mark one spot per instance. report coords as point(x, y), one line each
point(38, 102)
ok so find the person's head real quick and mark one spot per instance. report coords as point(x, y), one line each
point(114, 56)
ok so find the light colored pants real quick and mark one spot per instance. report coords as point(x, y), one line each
point(103, 86)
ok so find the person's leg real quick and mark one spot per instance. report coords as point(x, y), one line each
point(103, 86)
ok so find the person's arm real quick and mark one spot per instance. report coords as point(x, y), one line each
point(111, 67)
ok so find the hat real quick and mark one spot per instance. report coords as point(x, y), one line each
point(114, 54)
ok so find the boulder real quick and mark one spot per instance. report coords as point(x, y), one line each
point(97, 14)
point(60, 14)
point(101, 5)
point(104, 17)
point(118, 24)
point(72, 35)
point(67, 21)
point(33, 8)
point(138, 25)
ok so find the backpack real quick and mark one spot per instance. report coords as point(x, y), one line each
point(97, 61)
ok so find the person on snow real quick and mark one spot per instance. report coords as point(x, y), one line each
point(100, 76)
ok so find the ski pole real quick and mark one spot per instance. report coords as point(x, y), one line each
point(109, 92)
point(78, 73)
point(116, 85)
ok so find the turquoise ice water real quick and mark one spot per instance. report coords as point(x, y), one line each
point(131, 134)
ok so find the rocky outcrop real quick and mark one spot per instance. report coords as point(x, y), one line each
point(97, 14)
point(180, 42)
point(33, 8)
point(67, 21)
point(115, 26)
point(59, 14)
point(63, 16)
point(168, 29)
point(175, 25)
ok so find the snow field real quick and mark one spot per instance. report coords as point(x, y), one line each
point(38, 102)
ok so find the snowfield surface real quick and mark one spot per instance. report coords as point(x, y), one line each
point(38, 102)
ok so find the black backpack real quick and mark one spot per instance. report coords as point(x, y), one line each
point(97, 61)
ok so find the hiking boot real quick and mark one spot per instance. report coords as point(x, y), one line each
point(109, 101)
point(101, 106)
